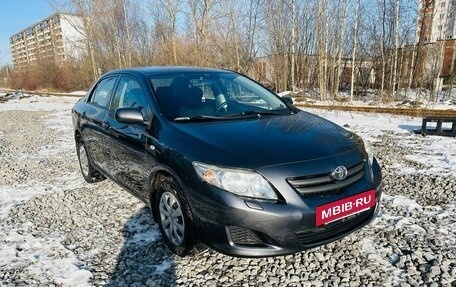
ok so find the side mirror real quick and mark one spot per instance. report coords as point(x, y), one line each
point(288, 100)
point(129, 116)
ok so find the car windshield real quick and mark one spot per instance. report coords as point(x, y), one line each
point(212, 96)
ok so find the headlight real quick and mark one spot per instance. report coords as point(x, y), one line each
point(240, 182)
point(368, 149)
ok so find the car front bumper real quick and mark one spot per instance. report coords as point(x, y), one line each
point(249, 228)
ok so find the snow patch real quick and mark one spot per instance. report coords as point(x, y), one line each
point(39, 103)
point(79, 93)
point(163, 267)
point(383, 257)
point(37, 255)
point(401, 201)
point(284, 93)
point(10, 196)
point(145, 231)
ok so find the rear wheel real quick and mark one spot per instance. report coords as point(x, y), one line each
point(90, 174)
point(174, 217)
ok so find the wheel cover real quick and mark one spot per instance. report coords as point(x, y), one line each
point(83, 160)
point(171, 218)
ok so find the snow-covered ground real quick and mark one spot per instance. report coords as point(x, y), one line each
point(436, 153)
point(403, 99)
point(39, 103)
point(424, 170)
point(56, 229)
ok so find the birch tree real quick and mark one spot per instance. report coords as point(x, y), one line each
point(165, 16)
point(396, 40)
point(293, 43)
point(322, 47)
point(355, 37)
point(343, 22)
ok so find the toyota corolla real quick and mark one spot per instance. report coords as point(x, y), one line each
point(223, 161)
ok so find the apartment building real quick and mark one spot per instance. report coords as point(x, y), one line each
point(436, 20)
point(436, 29)
point(58, 37)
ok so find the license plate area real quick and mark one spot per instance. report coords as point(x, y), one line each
point(344, 207)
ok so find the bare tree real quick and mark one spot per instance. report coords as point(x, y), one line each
point(305, 44)
point(322, 47)
point(203, 13)
point(355, 37)
point(342, 22)
point(252, 19)
point(293, 43)
point(165, 16)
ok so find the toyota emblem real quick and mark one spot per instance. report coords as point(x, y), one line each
point(340, 173)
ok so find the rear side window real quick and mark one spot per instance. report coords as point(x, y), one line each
point(101, 94)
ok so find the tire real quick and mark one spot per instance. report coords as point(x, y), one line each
point(90, 174)
point(174, 217)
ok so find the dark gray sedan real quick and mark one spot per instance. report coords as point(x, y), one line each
point(224, 161)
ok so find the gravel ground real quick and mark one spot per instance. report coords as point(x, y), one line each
point(57, 230)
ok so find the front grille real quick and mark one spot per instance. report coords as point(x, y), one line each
point(243, 236)
point(334, 229)
point(324, 183)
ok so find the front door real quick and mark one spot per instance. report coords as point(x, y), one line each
point(93, 118)
point(127, 142)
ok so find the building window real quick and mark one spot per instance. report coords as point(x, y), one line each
point(439, 28)
point(442, 16)
point(44, 25)
point(449, 36)
point(442, 4)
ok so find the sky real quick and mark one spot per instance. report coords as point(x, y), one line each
point(16, 16)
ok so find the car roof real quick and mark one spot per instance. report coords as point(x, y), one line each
point(155, 70)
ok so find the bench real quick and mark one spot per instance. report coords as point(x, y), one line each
point(440, 126)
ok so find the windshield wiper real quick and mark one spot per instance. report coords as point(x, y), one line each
point(264, 113)
point(242, 115)
point(197, 118)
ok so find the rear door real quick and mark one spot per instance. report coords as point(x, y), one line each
point(93, 117)
point(127, 142)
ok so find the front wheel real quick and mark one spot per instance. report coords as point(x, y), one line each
point(90, 174)
point(174, 217)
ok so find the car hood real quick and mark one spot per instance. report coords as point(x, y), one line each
point(265, 141)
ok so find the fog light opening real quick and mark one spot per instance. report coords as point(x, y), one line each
point(243, 236)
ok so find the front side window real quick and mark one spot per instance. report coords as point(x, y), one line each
point(102, 92)
point(129, 94)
